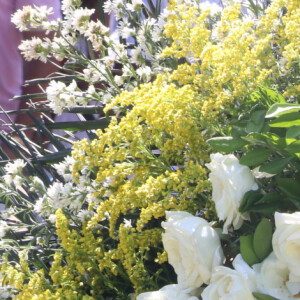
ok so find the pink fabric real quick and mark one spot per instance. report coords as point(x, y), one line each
point(11, 67)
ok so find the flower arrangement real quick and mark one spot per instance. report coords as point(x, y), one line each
point(190, 189)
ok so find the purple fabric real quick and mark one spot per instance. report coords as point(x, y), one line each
point(11, 66)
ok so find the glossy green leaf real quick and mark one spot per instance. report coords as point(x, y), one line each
point(260, 296)
point(268, 198)
point(248, 200)
point(255, 157)
point(281, 108)
point(286, 120)
point(267, 204)
point(275, 166)
point(265, 208)
point(262, 239)
point(226, 144)
point(247, 251)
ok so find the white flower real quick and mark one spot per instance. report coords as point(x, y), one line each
point(95, 32)
point(53, 91)
point(29, 17)
point(144, 73)
point(35, 49)
point(8, 179)
point(3, 228)
point(157, 32)
point(65, 168)
point(108, 6)
point(286, 246)
point(80, 19)
point(39, 206)
point(21, 18)
point(134, 5)
point(84, 215)
point(168, 292)
point(15, 167)
point(109, 181)
point(68, 5)
point(119, 80)
point(13, 171)
point(137, 56)
point(127, 223)
point(61, 96)
point(193, 248)
point(213, 8)
point(272, 278)
point(108, 61)
point(37, 185)
point(230, 181)
point(229, 284)
point(52, 219)
point(126, 71)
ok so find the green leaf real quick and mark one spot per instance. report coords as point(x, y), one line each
point(247, 251)
point(297, 177)
point(79, 125)
point(265, 208)
point(275, 166)
point(293, 132)
point(269, 198)
point(256, 138)
point(272, 95)
point(294, 147)
point(226, 144)
point(289, 187)
point(267, 95)
point(248, 200)
point(54, 157)
point(260, 296)
point(267, 204)
point(297, 165)
point(42, 128)
point(281, 108)
point(256, 122)
point(255, 157)
point(286, 120)
point(262, 239)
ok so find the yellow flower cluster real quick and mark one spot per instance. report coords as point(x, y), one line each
point(237, 56)
point(134, 182)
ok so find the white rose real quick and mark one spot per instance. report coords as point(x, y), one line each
point(193, 248)
point(230, 181)
point(168, 292)
point(272, 278)
point(286, 246)
point(229, 284)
